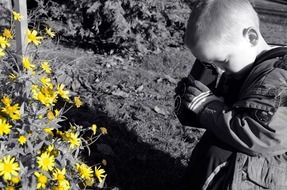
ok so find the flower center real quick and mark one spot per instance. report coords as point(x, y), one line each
point(42, 179)
point(46, 161)
point(61, 177)
point(8, 167)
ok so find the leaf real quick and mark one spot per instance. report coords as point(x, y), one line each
point(120, 93)
point(76, 85)
point(140, 88)
point(39, 146)
point(94, 7)
point(170, 79)
point(101, 185)
point(30, 146)
point(160, 110)
point(22, 108)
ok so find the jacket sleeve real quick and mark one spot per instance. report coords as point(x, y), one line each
point(246, 133)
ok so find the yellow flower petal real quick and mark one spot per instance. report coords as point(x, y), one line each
point(17, 16)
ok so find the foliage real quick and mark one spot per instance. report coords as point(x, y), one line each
point(116, 25)
point(36, 151)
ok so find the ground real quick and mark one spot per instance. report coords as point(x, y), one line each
point(146, 147)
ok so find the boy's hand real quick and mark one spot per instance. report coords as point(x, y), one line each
point(181, 86)
point(197, 95)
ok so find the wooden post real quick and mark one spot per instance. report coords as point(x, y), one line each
point(21, 27)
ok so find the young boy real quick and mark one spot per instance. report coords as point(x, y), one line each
point(245, 143)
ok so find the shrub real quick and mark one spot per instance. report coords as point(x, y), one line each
point(116, 25)
point(36, 151)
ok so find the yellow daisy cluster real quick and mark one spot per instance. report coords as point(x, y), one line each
point(39, 153)
point(4, 41)
point(87, 174)
point(72, 138)
point(59, 176)
point(11, 110)
point(47, 94)
point(9, 168)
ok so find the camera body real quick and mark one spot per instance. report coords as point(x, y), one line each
point(203, 72)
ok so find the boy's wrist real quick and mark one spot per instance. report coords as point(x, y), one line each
point(207, 116)
point(201, 101)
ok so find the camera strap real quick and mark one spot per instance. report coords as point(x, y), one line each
point(271, 54)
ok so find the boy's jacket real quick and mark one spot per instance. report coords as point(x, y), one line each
point(255, 125)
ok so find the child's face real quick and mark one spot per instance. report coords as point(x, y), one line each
point(234, 58)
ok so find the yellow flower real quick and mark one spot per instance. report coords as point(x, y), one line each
point(22, 139)
point(63, 93)
point(46, 96)
point(46, 82)
point(94, 128)
point(50, 148)
point(46, 161)
point(17, 16)
point(60, 133)
point(27, 64)
point(6, 100)
point(15, 179)
point(49, 131)
point(7, 33)
point(63, 185)
point(51, 116)
point(77, 101)
point(12, 76)
point(50, 32)
point(4, 127)
point(100, 174)
point(3, 42)
point(42, 180)
point(2, 53)
point(9, 187)
point(8, 167)
point(35, 88)
point(32, 37)
point(46, 67)
point(104, 130)
point(90, 181)
point(73, 139)
point(12, 111)
point(59, 175)
point(85, 171)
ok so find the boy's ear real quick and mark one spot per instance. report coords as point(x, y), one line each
point(251, 35)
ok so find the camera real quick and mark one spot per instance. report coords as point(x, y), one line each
point(203, 72)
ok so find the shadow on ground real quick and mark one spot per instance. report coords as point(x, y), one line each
point(132, 164)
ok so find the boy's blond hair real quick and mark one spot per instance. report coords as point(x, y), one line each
point(219, 20)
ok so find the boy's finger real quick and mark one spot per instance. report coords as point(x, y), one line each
point(200, 86)
point(193, 90)
point(188, 97)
